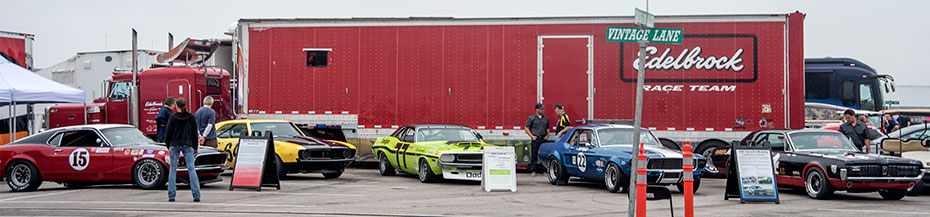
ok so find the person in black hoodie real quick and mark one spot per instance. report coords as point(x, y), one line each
point(181, 137)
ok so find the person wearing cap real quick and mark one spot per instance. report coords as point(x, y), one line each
point(564, 123)
point(537, 127)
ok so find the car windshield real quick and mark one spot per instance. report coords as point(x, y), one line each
point(125, 136)
point(446, 134)
point(276, 128)
point(619, 136)
point(821, 140)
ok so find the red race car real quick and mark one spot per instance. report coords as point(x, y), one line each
point(98, 154)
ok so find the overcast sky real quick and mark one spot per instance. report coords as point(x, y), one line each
point(891, 36)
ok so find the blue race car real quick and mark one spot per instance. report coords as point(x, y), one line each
point(603, 153)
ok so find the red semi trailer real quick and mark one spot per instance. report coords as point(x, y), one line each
point(732, 74)
point(17, 47)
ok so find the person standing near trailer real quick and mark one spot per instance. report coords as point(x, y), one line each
point(564, 122)
point(537, 127)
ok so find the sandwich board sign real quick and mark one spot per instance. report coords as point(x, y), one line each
point(752, 175)
point(498, 169)
point(255, 163)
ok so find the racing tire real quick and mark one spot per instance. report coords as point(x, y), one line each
point(149, 174)
point(892, 194)
point(555, 173)
point(384, 166)
point(279, 166)
point(23, 176)
point(694, 186)
point(707, 150)
point(917, 189)
point(426, 173)
point(333, 175)
point(615, 180)
point(817, 185)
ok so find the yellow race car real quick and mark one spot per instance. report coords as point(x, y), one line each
point(296, 152)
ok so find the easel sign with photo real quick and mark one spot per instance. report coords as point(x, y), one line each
point(751, 175)
point(255, 164)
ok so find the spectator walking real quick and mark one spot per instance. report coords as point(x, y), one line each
point(903, 121)
point(855, 131)
point(537, 127)
point(564, 122)
point(892, 124)
point(206, 117)
point(161, 119)
point(182, 137)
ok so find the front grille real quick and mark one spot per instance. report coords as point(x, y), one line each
point(327, 154)
point(210, 159)
point(671, 175)
point(664, 164)
point(903, 170)
point(865, 170)
point(468, 158)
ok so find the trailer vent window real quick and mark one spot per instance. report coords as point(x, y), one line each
point(317, 57)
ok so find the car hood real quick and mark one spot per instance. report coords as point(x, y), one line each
point(454, 146)
point(312, 143)
point(650, 151)
point(855, 157)
point(161, 147)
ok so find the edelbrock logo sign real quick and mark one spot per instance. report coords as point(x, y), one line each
point(686, 60)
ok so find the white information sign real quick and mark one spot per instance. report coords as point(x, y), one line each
point(498, 169)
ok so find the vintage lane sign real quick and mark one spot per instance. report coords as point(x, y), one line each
point(499, 169)
point(255, 164)
point(754, 178)
point(655, 35)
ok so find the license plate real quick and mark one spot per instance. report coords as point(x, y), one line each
point(476, 175)
point(720, 152)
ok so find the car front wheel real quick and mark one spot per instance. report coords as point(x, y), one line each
point(426, 173)
point(22, 176)
point(892, 194)
point(817, 185)
point(615, 180)
point(149, 174)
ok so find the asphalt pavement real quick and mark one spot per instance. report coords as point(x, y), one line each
point(364, 192)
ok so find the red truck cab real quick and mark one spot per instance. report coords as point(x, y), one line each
point(155, 85)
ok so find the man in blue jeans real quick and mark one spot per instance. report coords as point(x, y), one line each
point(182, 138)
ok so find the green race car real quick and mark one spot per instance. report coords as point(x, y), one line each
point(433, 151)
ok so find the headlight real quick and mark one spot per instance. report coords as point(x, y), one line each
point(304, 154)
point(447, 158)
point(347, 153)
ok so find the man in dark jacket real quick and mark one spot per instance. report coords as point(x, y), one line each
point(537, 127)
point(161, 119)
point(182, 137)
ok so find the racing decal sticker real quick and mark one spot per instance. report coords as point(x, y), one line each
point(135, 152)
point(161, 152)
point(102, 150)
point(766, 108)
point(582, 162)
point(149, 152)
point(127, 151)
point(117, 149)
point(79, 159)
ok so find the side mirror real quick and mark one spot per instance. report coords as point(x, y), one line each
point(98, 141)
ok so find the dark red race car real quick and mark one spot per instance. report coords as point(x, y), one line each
point(98, 154)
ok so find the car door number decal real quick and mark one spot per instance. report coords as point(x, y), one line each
point(230, 151)
point(405, 147)
point(582, 161)
point(79, 159)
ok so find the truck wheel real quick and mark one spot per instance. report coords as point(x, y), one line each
point(556, 173)
point(917, 189)
point(384, 166)
point(149, 174)
point(695, 185)
point(892, 194)
point(426, 173)
point(615, 180)
point(22, 176)
point(817, 185)
point(706, 150)
point(333, 175)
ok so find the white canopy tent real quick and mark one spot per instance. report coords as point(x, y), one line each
point(21, 86)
